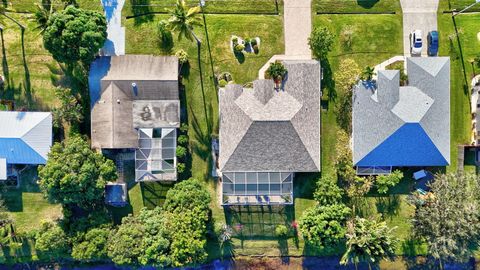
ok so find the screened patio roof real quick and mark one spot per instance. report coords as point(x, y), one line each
point(155, 158)
point(257, 188)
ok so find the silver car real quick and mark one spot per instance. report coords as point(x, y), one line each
point(416, 42)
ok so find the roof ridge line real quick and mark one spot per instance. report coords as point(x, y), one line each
point(303, 144)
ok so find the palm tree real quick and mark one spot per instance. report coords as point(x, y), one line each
point(183, 19)
point(368, 241)
point(276, 71)
point(42, 14)
point(368, 73)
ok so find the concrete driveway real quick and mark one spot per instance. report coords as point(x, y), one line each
point(297, 19)
point(115, 44)
point(418, 14)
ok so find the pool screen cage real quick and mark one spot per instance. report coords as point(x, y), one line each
point(155, 159)
point(257, 188)
point(374, 170)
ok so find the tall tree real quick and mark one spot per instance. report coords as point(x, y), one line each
point(450, 220)
point(75, 34)
point(126, 244)
point(183, 19)
point(347, 76)
point(92, 246)
point(368, 241)
point(74, 174)
point(321, 41)
point(69, 110)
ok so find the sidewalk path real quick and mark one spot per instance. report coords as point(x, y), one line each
point(115, 44)
point(297, 21)
point(418, 14)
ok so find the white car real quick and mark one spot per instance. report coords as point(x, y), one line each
point(416, 42)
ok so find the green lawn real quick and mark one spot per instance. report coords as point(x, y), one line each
point(461, 51)
point(356, 6)
point(448, 5)
point(27, 205)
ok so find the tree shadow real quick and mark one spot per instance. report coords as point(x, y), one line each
point(283, 248)
point(202, 145)
point(141, 10)
point(6, 72)
point(388, 206)
point(240, 57)
point(28, 84)
point(328, 81)
point(367, 3)
point(457, 35)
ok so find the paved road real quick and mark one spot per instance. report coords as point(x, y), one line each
point(298, 26)
point(418, 14)
point(115, 44)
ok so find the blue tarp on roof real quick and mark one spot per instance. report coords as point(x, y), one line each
point(16, 151)
point(408, 146)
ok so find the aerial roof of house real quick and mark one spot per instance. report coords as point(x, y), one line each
point(404, 126)
point(25, 137)
point(129, 92)
point(262, 129)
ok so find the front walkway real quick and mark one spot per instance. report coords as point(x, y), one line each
point(418, 14)
point(115, 44)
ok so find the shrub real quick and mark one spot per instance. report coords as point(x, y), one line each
point(51, 241)
point(281, 231)
point(239, 48)
point(180, 167)
point(222, 83)
point(235, 41)
point(320, 41)
point(181, 151)
point(384, 182)
point(184, 127)
point(182, 56)
point(182, 140)
point(327, 191)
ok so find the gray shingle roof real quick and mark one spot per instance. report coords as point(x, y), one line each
point(266, 130)
point(426, 101)
point(156, 79)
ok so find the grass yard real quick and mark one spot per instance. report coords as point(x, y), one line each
point(27, 205)
point(356, 6)
point(461, 52)
point(449, 5)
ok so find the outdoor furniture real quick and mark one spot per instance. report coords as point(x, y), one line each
point(419, 175)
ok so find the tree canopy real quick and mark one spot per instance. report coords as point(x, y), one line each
point(327, 191)
point(386, 181)
point(92, 246)
point(74, 174)
point(126, 244)
point(74, 34)
point(51, 241)
point(321, 41)
point(347, 76)
point(450, 220)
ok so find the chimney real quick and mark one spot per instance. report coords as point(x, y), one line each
point(388, 90)
point(134, 89)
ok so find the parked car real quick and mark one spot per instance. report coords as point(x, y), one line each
point(432, 40)
point(416, 42)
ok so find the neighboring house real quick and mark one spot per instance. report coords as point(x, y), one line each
point(406, 126)
point(267, 135)
point(25, 139)
point(136, 107)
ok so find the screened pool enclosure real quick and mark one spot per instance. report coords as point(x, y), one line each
point(155, 158)
point(261, 188)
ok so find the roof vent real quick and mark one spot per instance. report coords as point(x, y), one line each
point(134, 89)
point(118, 101)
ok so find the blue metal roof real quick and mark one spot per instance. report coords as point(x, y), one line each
point(408, 146)
point(16, 151)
